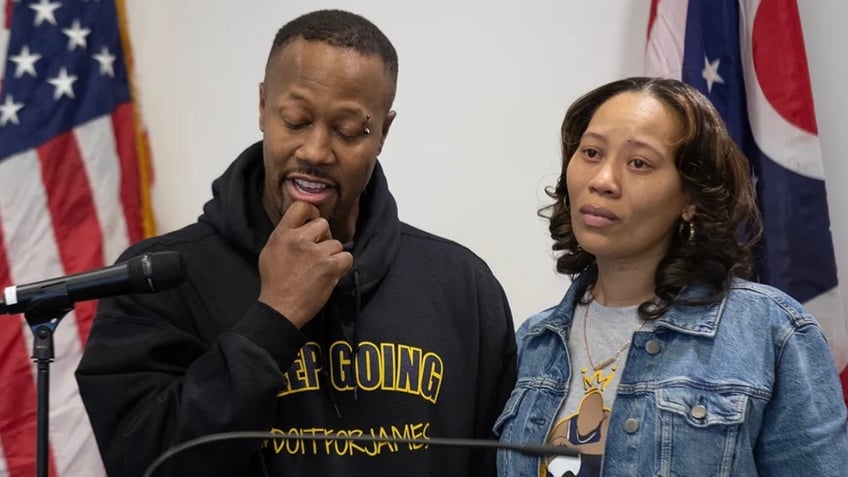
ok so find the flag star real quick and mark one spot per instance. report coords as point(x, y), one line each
point(710, 73)
point(25, 62)
point(106, 61)
point(44, 10)
point(63, 84)
point(76, 35)
point(9, 111)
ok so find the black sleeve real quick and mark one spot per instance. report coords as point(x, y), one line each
point(149, 381)
point(497, 370)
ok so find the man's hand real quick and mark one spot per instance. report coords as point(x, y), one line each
point(301, 264)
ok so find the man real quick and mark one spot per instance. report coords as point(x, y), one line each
point(309, 308)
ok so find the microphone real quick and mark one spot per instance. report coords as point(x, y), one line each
point(148, 273)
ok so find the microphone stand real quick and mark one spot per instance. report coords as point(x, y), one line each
point(43, 317)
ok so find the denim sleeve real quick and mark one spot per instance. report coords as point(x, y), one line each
point(804, 426)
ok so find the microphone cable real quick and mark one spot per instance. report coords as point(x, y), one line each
point(529, 449)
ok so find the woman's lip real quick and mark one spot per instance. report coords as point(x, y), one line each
point(600, 212)
point(592, 220)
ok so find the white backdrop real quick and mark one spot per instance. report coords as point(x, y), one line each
point(482, 90)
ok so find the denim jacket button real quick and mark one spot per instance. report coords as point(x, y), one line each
point(653, 347)
point(631, 425)
point(698, 412)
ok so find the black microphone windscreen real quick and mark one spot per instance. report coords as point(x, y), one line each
point(156, 271)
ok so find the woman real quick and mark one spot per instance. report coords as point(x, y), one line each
point(661, 359)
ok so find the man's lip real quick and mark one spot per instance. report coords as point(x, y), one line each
point(307, 178)
point(599, 211)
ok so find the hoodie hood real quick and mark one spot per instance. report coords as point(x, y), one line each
point(236, 212)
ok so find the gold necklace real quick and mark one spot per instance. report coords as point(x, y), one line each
point(603, 364)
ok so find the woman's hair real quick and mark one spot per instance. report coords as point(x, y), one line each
point(715, 176)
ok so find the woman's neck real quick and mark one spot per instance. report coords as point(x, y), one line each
point(624, 284)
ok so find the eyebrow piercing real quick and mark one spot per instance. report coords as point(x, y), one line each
point(366, 130)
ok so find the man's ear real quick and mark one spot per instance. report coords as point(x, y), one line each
point(387, 123)
point(262, 107)
point(688, 213)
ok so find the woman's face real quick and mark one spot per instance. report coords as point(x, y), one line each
point(624, 189)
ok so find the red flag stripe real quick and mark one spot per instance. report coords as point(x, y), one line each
point(71, 204)
point(17, 409)
point(98, 149)
point(72, 210)
point(79, 244)
point(652, 16)
point(20, 196)
point(97, 145)
point(131, 194)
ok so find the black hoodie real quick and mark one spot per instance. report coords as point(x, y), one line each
point(416, 342)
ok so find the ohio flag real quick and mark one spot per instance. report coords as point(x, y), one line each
point(73, 194)
point(748, 57)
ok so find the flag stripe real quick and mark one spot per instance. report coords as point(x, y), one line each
point(17, 408)
point(22, 204)
point(96, 142)
point(79, 247)
point(98, 150)
point(131, 187)
point(71, 203)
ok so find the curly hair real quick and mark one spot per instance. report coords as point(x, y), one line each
point(715, 176)
point(340, 29)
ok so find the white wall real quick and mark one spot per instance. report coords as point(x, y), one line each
point(482, 90)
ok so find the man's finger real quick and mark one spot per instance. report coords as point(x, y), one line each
point(317, 230)
point(329, 247)
point(344, 262)
point(298, 214)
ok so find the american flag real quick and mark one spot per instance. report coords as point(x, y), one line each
point(748, 57)
point(74, 193)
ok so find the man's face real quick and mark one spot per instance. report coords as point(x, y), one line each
point(324, 114)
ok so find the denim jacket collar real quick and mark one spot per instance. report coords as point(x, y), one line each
point(559, 321)
point(693, 320)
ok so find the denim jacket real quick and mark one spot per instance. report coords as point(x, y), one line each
point(746, 386)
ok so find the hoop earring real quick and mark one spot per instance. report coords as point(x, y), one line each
point(690, 237)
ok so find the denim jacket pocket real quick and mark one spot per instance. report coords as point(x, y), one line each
point(697, 424)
